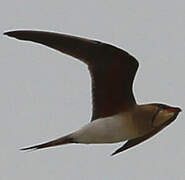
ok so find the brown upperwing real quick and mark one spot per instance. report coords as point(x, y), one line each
point(112, 69)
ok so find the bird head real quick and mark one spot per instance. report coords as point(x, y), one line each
point(154, 116)
point(164, 115)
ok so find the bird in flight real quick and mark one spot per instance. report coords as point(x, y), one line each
point(116, 116)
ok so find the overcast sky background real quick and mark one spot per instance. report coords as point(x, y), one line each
point(44, 94)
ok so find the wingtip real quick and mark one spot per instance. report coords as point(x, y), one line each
point(9, 33)
point(24, 149)
point(114, 153)
point(18, 34)
point(32, 148)
point(27, 149)
point(6, 33)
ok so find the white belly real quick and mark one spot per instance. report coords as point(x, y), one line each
point(106, 130)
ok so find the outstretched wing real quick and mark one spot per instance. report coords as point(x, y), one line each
point(112, 69)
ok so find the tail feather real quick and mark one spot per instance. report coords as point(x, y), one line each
point(57, 142)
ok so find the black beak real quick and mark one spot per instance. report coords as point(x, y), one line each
point(178, 109)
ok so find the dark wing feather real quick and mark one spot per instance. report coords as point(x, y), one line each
point(112, 69)
point(113, 77)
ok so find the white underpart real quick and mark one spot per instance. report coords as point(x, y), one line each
point(106, 130)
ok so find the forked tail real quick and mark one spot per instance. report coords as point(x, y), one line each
point(60, 141)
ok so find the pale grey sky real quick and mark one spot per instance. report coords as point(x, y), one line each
point(45, 94)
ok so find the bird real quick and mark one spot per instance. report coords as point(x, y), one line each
point(116, 116)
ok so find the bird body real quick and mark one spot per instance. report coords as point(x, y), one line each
point(121, 127)
point(116, 115)
point(111, 129)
